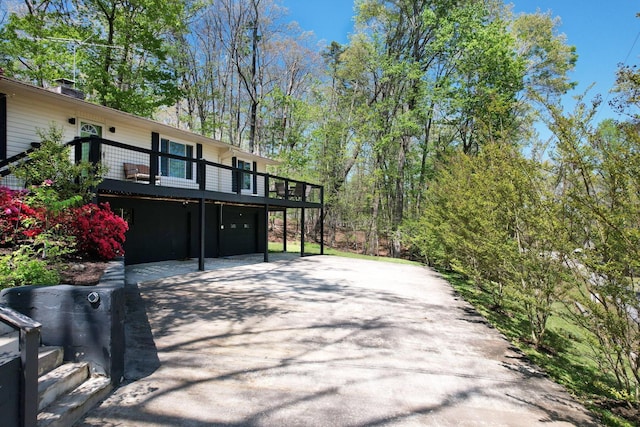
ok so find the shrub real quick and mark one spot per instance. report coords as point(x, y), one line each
point(51, 163)
point(18, 221)
point(22, 267)
point(98, 231)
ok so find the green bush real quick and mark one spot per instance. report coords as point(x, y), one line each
point(23, 267)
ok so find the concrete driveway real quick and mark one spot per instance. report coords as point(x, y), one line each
point(321, 341)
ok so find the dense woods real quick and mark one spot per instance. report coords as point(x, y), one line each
point(370, 120)
point(423, 129)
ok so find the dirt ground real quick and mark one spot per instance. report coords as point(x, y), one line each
point(83, 272)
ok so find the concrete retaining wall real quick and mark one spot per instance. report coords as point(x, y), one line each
point(87, 321)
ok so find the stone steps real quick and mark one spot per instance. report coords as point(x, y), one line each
point(70, 407)
point(66, 391)
point(49, 358)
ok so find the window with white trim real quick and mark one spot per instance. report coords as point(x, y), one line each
point(87, 130)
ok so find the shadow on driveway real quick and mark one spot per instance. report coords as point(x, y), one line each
point(321, 341)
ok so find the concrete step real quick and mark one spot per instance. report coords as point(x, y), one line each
point(60, 381)
point(49, 358)
point(70, 408)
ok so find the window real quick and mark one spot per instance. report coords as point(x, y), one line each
point(174, 167)
point(246, 177)
point(87, 130)
point(90, 129)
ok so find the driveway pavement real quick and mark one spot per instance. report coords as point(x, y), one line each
point(319, 341)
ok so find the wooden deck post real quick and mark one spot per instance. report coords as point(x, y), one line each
point(284, 230)
point(302, 232)
point(202, 238)
point(321, 220)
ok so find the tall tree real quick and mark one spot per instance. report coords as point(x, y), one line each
point(117, 50)
point(36, 43)
point(440, 64)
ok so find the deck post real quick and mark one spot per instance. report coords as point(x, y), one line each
point(219, 231)
point(322, 220)
point(201, 169)
point(201, 222)
point(95, 157)
point(154, 159)
point(266, 218)
point(284, 230)
point(266, 232)
point(302, 232)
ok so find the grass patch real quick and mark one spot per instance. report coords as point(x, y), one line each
point(566, 359)
point(314, 249)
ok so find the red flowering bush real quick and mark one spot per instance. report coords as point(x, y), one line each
point(18, 221)
point(44, 227)
point(98, 231)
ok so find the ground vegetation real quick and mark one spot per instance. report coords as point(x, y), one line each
point(52, 230)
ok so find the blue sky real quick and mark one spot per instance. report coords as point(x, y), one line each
point(603, 32)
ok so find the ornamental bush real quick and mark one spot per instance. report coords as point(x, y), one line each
point(44, 226)
point(89, 231)
point(23, 267)
point(18, 220)
point(99, 233)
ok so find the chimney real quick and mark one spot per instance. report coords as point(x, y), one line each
point(67, 87)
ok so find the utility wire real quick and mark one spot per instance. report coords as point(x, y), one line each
point(626, 58)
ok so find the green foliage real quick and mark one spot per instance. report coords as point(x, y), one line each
point(627, 88)
point(548, 58)
point(57, 181)
point(47, 224)
point(22, 267)
point(544, 238)
point(117, 50)
point(28, 49)
point(492, 218)
point(600, 177)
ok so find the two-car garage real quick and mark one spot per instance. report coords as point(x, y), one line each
point(168, 229)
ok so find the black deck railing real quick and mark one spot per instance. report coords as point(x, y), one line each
point(28, 343)
point(136, 165)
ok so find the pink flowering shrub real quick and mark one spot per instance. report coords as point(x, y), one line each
point(98, 231)
point(18, 221)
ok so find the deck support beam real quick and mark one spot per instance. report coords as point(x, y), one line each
point(266, 233)
point(302, 232)
point(284, 230)
point(322, 221)
point(202, 235)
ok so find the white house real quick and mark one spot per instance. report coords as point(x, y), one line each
point(183, 194)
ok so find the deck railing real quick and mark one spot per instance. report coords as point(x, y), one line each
point(27, 393)
point(147, 167)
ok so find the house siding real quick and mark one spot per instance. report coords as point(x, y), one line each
point(30, 110)
point(164, 218)
point(3, 126)
point(25, 116)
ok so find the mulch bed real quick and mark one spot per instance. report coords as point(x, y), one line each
point(83, 273)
